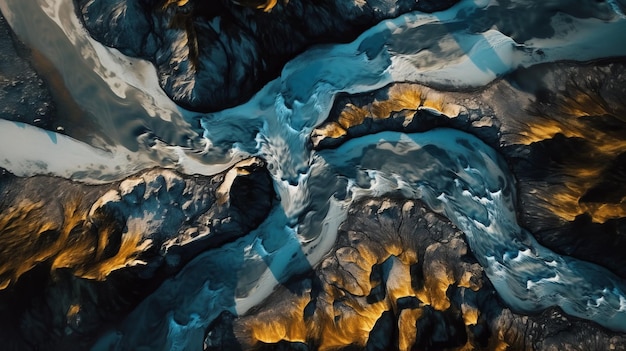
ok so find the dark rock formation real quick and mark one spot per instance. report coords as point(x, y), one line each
point(92, 253)
point(404, 107)
point(217, 54)
point(23, 95)
point(560, 127)
point(567, 162)
point(76, 259)
point(400, 278)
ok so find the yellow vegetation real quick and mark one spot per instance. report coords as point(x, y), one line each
point(470, 314)
point(287, 326)
point(406, 327)
point(565, 202)
point(349, 325)
point(72, 311)
point(403, 99)
point(130, 248)
point(565, 118)
point(175, 2)
point(265, 5)
point(546, 129)
point(578, 102)
point(332, 130)
point(343, 315)
point(22, 230)
point(500, 343)
point(28, 236)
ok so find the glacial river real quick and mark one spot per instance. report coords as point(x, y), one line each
point(456, 174)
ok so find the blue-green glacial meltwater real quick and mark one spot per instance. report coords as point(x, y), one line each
point(455, 173)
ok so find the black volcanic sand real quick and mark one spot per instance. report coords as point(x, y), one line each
point(32, 91)
point(24, 97)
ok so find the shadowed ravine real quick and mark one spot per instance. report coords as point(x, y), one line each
point(454, 173)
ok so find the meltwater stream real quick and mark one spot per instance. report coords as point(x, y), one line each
point(453, 172)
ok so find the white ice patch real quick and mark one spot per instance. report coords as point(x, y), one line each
point(26, 150)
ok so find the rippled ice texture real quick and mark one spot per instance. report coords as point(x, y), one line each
point(454, 173)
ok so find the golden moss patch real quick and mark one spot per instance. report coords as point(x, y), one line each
point(29, 237)
point(565, 117)
point(344, 312)
point(403, 99)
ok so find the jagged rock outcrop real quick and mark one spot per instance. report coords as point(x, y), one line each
point(76, 257)
point(399, 277)
point(560, 127)
point(213, 55)
point(404, 107)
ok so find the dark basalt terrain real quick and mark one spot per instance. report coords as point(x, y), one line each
point(400, 277)
point(211, 55)
point(560, 127)
point(75, 258)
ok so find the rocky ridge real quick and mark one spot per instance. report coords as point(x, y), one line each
point(560, 128)
point(400, 277)
point(89, 254)
point(214, 55)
